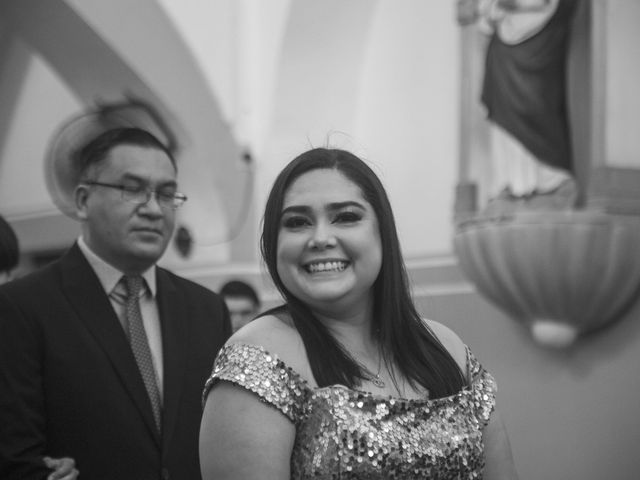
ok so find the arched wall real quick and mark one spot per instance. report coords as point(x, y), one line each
point(378, 78)
point(100, 55)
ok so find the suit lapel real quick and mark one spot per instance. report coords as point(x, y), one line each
point(171, 307)
point(86, 295)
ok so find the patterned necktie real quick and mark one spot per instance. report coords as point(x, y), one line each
point(140, 344)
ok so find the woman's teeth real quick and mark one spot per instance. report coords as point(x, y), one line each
point(326, 267)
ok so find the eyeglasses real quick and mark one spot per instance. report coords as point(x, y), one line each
point(141, 195)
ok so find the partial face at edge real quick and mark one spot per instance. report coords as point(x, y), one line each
point(241, 310)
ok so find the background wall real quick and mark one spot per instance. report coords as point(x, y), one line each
point(378, 77)
point(570, 414)
point(621, 57)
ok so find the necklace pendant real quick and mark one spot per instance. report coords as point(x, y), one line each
point(378, 382)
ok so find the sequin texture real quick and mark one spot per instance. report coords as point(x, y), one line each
point(349, 434)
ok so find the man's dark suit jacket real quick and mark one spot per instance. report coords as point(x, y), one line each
point(70, 386)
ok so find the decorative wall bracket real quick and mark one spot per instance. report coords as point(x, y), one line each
point(563, 274)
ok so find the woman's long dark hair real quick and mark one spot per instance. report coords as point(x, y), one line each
point(402, 334)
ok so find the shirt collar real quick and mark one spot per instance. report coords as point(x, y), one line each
point(110, 276)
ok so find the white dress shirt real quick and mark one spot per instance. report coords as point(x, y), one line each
point(109, 278)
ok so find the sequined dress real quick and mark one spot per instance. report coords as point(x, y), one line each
point(350, 434)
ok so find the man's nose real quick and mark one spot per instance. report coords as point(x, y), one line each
point(152, 205)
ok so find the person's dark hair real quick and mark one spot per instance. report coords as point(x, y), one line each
point(97, 149)
point(9, 248)
point(402, 334)
point(238, 288)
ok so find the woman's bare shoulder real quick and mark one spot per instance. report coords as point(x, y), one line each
point(278, 336)
point(451, 341)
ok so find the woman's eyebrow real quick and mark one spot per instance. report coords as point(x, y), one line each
point(296, 209)
point(305, 209)
point(348, 203)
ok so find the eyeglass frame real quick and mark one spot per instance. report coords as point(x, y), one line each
point(161, 198)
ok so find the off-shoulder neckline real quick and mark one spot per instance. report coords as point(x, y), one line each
point(365, 394)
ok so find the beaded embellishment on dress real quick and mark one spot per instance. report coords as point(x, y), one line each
point(349, 434)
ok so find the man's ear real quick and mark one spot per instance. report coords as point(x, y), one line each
point(81, 194)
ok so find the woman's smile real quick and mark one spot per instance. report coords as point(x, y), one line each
point(326, 266)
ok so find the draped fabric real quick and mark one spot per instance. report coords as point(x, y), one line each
point(525, 89)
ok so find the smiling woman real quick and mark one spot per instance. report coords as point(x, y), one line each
point(329, 247)
point(345, 378)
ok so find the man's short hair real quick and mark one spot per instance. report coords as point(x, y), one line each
point(97, 149)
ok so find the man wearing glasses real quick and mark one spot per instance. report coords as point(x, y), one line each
point(103, 354)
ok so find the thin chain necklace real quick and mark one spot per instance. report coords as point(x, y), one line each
point(375, 379)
